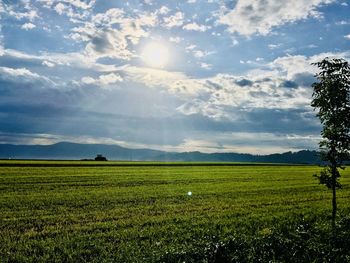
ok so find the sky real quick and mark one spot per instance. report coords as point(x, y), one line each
point(191, 75)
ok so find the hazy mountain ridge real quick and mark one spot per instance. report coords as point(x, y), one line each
point(66, 150)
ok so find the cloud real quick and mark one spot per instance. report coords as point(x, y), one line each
point(21, 75)
point(108, 43)
point(197, 53)
point(283, 84)
point(48, 64)
point(195, 27)
point(111, 34)
point(59, 8)
point(249, 17)
point(70, 61)
point(28, 26)
point(81, 4)
point(342, 23)
point(214, 97)
point(2, 52)
point(206, 65)
point(174, 20)
point(235, 42)
point(103, 80)
point(260, 142)
point(191, 47)
point(175, 39)
point(30, 15)
point(2, 8)
point(274, 46)
point(152, 77)
point(22, 86)
point(163, 10)
point(201, 53)
point(74, 3)
point(299, 64)
point(197, 106)
point(347, 36)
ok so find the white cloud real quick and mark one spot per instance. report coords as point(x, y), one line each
point(347, 36)
point(163, 10)
point(104, 39)
point(20, 72)
point(312, 46)
point(174, 20)
point(2, 8)
point(298, 64)
point(235, 42)
point(284, 84)
point(261, 16)
point(201, 53)
point(342, 23)
point(175, 39)
point(292, 65)
point(75, 3)
point(152, 77)
point(59, 8)
point(274, 46)
point(31, 15)
point(28, 26)
point(206, 66)
point(110, 17)
point(48, 64)
point(103, 80)
point(197, 53)
point(70, 60)
point(24, 76)
point(110, 79)
point(1, 43)
point(81, 4)
point(197, 106)
point(191, 47)
point(195, 27)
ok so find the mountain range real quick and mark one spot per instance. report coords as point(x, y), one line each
point(75, 151)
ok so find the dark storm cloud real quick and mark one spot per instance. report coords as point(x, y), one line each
point(214, 85)
point(289, 84)
point(244, 82)
point(304, 79)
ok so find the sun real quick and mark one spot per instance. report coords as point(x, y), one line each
point(155, 55)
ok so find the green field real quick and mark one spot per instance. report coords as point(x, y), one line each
point(83, 212)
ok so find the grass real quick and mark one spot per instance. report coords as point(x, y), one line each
point(121, 212)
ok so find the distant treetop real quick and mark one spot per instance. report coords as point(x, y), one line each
point(100, 157)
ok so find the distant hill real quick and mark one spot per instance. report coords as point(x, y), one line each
point(74, 151)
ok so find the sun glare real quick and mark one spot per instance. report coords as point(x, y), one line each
point(155, 55)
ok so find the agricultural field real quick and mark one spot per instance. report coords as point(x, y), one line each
point(150, 212)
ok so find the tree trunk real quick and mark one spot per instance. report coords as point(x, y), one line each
point(334, 199)
point(334, 204)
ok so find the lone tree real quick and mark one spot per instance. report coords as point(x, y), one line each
point(331, 97)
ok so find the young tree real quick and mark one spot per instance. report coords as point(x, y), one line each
point(331, 97)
